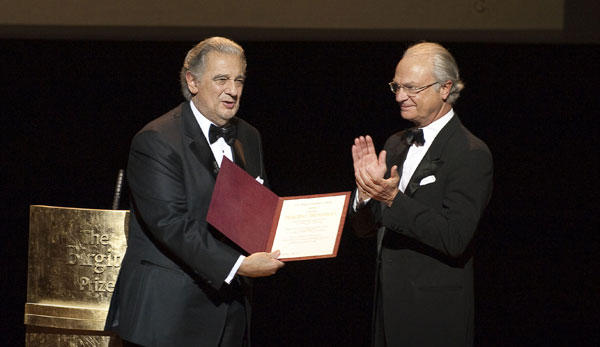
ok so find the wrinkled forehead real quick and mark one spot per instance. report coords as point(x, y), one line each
point(219, 62)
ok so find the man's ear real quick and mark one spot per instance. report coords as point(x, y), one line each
point(191, 82)
point(445, 89)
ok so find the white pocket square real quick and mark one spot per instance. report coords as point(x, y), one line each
point(260, 180)
point(427, 180)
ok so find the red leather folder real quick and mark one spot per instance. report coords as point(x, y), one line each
point(248, 213)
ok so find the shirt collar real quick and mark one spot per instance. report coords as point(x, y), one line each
point(431, 130)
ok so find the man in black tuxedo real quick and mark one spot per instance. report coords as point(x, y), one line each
point(181, 282)
point(423, 196)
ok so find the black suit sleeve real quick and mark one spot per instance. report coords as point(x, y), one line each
point(363, 220)
point(157, 181)
point(449, 226)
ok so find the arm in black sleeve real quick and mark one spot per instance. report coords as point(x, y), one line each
point(158, 185)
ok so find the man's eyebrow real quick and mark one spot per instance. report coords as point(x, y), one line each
point(408, 84)
point(228, 76)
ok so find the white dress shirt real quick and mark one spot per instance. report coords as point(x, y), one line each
point(219, 148)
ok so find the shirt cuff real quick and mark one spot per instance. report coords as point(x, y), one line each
point(356, 204)
point(235, 268)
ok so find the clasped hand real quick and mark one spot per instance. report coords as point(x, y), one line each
point(369, 171)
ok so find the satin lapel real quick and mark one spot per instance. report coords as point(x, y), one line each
point(428, 166)
point(432, 160)
point(396, 156)
point(196, 140)
point(238, 154)
point(239, 157)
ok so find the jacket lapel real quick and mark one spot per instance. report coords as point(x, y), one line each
point(239, 158)
point(432, 160)
point(238, 154)
point(197, 141)
point(396, 156)
point(427, 167)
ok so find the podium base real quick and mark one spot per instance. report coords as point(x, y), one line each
point(50, 337)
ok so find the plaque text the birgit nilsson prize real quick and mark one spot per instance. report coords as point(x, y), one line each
point(93, 254)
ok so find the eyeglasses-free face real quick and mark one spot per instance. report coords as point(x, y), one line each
point(217, 91)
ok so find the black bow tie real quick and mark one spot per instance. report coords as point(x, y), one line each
point(413, 135)
point(227, 132)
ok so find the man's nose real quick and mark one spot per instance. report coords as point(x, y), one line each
point(232, 88)
point(401, 95)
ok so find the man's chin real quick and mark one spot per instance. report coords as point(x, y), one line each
point(407, 115)
point(226, 116)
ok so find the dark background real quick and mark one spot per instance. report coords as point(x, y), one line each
point(70, 108)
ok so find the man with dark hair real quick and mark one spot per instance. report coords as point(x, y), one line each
point(181, 282)
point(423, 196)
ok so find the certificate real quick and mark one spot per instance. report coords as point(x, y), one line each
point(257, 220)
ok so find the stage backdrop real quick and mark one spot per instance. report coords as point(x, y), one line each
point(70, 109)
point(565, 21)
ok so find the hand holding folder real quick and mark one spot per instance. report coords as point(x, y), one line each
point(257, 220)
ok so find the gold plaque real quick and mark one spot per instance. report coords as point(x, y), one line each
point(74, 260)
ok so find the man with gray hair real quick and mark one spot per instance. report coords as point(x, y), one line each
point(423, 196)
point(181, 282)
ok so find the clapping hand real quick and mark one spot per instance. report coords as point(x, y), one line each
point(369, 171)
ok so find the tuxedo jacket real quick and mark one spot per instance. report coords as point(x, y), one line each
point(171, 288)
point(424, 287)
